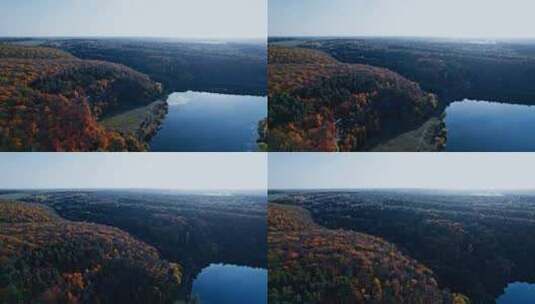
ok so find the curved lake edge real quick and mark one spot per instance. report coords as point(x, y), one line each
point(192, 272)
point(234, 265)
point(515, 291)
point(222, 274)
point(253, 103)
point(489, 101)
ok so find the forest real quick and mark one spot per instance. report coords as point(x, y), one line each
point(45, 258)
point(317, 103)
point(235, 67)
point(312, 264)
point(191, 230)
point(53, 101)
point(474, 243)
point(338, 94)
point(56, 93)
point(494, 70)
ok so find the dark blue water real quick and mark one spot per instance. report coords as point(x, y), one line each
point(230, 284)
point(205, 122)
point(518, 293)
point(482, 126)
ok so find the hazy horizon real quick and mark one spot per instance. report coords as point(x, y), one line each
point(134, 171)
point(476, 19)
point(406, 189)
point(440, 38)
point(188, 39)
point(198, 19)
point(200, 190)
point(402, 171)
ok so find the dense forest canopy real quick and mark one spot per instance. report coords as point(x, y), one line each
point(312, 264)
point(474, 243)
point(47, 259)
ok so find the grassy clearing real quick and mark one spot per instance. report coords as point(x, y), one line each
point(128, 121)
point(420, 139)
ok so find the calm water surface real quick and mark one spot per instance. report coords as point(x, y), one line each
point(199, 121)
point(231, 284)
point(518, 293)
point(483, 126)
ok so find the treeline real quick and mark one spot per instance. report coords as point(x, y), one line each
point(19, 52)
point(45, 259)
point(284, 55)
point(311, 264)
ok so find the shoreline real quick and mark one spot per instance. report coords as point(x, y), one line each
point(153, 121)
point(142, 123)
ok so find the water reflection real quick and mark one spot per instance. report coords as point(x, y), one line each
point(482, 126)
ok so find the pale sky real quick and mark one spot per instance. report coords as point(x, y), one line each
point(180, 171)
point(436, 18)
point(456, 171)
point(155, 18)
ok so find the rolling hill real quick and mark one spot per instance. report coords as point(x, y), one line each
point(53, 101)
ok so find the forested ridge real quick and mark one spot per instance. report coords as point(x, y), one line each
point(453, 69)
point(219, 67)
point(317, 103)
point(52, 101)
point(311, 264)
point(47, 259)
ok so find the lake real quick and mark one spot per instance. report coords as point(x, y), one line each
point(231, 284)
point(200, 121)
point(483, 126)
point(518, 293)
